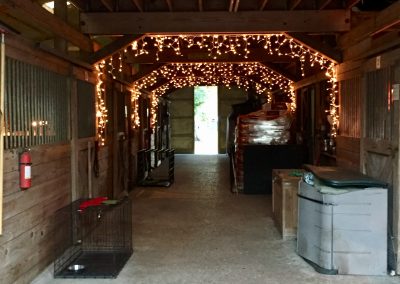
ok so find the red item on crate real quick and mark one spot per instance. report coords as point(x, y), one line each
point(91, 202)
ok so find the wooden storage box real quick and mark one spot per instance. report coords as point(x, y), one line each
point(284, 200)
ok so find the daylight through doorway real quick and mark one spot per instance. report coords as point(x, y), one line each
point(206, 120)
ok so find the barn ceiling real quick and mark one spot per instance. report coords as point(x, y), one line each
point(95, 29)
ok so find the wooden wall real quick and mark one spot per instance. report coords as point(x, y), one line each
point(182, 120)
point(31, 231)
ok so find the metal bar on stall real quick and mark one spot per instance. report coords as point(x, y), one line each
point(2, 77)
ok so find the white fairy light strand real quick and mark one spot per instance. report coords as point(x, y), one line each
point(101, 109)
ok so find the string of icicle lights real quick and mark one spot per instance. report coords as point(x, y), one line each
point(237, 44)
point(217, 45)
point(227, 74)
point(101, 110)
point(244, 75)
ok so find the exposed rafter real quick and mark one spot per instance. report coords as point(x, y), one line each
point(263, 4)
point(236, 7)
point(144, 70)
point(316, 45)
point(138, 4)
point(33, 14)
point(112, 47)
point(231, 5)
point(210, 22)
point(380, 22)
point(169, 3)
point(351, 3)
point(323, 3)
point(293, 4)
point(281, 71)
point(109, 4)
point(201, 6)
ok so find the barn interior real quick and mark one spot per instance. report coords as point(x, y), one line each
point(101, 98)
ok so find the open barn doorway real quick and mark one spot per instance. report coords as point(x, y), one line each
point(206, 120)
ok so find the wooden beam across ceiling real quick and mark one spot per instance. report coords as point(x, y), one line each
point(201, 6)
point(263, 4)
point(236, 7)
point(138, 4)
point(318, 46)
point(214, 22)
point(281, 71)
point(231, 4)
point(113, 47)
point(33, 14)
point(323, 3)
point(380, 22)
point(169, 3)
point(293, 4)
point(144, 70)
point(109, 4)
point(351, 3)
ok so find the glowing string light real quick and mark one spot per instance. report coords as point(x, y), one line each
point(101, 110)
point(135, 119)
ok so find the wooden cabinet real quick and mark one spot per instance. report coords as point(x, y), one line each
point(284, 200)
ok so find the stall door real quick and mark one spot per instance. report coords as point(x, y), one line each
point(226, 98)
point(379, 151)
point(182, 120)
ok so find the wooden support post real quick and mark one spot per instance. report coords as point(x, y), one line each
point(90, 189)
point(74, 139)
point(2, 70)
point(115, 144)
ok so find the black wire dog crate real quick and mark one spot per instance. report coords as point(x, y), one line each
point(98, 240)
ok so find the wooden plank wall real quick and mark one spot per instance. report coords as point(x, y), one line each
point(30, 230)
point(348, 142)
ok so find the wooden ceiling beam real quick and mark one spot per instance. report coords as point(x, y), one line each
point(138, 4)
point(169, 3)
point(33, 14)
point(263, 4)
point(236, 8)
point(323, 3)
point(293, 4)
point(281, 71)
point(382, 21)
point(109, 4)
point(80, 4)
point(318, 46)
point(210, 22)
point(321, 76)
point(201, 6)
point(351, 3)
point(144, 70)
point(231, 4)
point(113, 47)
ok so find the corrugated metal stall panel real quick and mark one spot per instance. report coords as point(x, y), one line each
point(36, 106)
point(379, 120)
point(348, 142)
point(350, 107)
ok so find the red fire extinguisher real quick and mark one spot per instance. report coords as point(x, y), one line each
point(25, 174)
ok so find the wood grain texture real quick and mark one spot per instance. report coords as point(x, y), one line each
point(30, 234)
point(260, 21)
point(348, 152)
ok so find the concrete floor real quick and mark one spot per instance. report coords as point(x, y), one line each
point(196, 231)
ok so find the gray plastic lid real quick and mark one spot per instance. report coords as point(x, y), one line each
point(340, 177)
